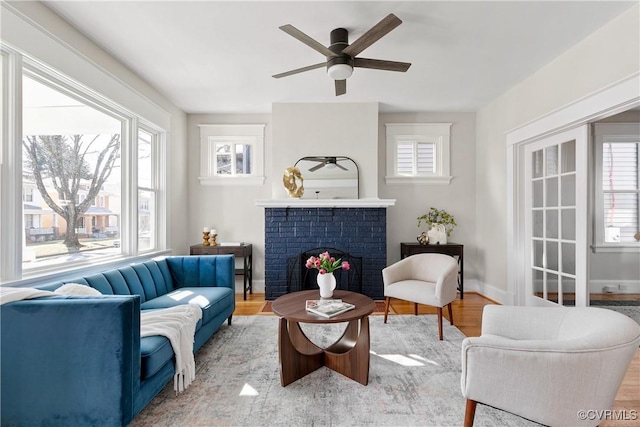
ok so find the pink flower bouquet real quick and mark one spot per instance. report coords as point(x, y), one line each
point(325, 263)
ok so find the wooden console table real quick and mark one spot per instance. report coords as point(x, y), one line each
point(453, 249)
point(244, 250)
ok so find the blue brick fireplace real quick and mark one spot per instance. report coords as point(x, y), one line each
point(361, 232)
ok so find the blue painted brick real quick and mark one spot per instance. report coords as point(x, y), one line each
point(359, 231)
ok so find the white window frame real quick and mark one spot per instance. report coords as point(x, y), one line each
point(609, 132)
point(438, 134)
point(15, 63)
point(246, 134)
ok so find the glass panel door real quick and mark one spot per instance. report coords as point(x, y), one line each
point(555, 219)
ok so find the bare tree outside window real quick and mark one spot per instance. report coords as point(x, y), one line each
point(63, 166)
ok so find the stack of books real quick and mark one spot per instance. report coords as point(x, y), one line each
point(328, 307)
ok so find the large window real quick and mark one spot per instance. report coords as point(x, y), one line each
point(617, 186)
point(86, 175)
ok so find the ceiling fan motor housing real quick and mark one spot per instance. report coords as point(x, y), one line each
point(339, 40)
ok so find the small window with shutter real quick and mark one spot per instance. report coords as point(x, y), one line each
point(418, 153)
point(617, 198)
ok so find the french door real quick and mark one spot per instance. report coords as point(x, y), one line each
point(555, 219)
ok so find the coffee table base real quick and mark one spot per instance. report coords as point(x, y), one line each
point(349, 355)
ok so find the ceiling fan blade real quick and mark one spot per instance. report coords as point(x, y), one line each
point(341, 87)
point(341, 167)
point(300, 70)
point(374, 34)
point(296, 33)
point(316, 167)
point(380, 64)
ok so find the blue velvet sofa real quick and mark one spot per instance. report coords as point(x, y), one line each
point(80, 361)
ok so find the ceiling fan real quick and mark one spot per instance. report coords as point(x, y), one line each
point(342, 56)
point(325, 162)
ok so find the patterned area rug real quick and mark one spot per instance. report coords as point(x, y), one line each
point(414, 380)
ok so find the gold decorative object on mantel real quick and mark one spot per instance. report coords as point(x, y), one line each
point(289, 179)
point(637, 236)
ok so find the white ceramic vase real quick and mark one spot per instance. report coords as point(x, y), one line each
point(437, 234)
point(326, 283)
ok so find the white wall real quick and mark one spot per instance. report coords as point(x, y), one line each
point(327, 129)
point(413, 200)
point(231, 210)
point(608, 55)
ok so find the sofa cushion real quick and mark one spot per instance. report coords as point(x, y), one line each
point(211, 300)
point(76, 289)
point(155, 352)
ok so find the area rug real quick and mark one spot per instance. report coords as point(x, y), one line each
point(414, 380)
point(627, 307)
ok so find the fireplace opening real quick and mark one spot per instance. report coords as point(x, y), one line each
point(300, 278)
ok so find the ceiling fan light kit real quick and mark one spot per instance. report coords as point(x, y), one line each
point(341, 56)
point(340, 71)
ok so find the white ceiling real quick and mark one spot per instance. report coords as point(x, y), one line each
point(218, 57)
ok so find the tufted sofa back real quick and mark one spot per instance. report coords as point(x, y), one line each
point(154, 278)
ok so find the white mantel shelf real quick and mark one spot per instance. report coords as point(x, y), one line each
point(326, 203)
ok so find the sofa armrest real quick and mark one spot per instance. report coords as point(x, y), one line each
point(70, 360)
point(202, 270)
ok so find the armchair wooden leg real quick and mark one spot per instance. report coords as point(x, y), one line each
point(470, 413)
point(440, 323)
point(415, 308)
point(450, 313)
point(386, 308)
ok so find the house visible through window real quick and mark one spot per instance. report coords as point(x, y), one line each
point(70, 158)
point(617, 198)
point(233, 159)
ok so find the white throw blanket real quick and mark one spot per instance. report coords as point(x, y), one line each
point(9, 294)
point(178, 324)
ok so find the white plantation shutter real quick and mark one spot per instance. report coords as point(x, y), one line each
point(418, 153)
point(404, 152)
point(620, 187)
point(415, 158)
point(426, 157)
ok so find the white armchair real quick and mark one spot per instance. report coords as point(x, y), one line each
point(430, 279)
point(546, 364)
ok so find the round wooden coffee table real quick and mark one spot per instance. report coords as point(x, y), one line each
point(349, 355)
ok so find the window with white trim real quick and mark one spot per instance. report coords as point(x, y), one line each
point(617, 186)
point(232, 154)
point(72, 153)
point(418, 153)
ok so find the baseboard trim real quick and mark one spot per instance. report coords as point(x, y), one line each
point(489, 291)
point(614, 286)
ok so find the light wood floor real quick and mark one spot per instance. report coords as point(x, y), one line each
point(467, 316)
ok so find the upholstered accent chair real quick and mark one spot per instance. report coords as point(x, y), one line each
point(547, 364)
point(430, 279)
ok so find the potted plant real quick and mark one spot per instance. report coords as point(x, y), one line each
point(440, 222)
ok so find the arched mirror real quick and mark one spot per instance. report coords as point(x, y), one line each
point(329, 177)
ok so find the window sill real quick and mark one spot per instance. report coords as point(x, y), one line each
point(69, 272)
point(616, 248)
point(418, 179)
point(231, 180)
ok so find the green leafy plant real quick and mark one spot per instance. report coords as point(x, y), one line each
point(437, 216)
